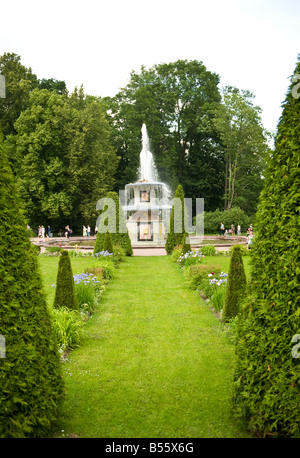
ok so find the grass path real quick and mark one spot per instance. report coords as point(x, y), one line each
point(155, 363)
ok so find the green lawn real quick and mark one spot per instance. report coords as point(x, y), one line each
point(155, 362)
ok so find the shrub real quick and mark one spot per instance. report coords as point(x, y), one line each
point(107, 244)
point(189, 258)
point(30, 374)
point(177, 225)
point(267, 376)
point(176, 253)
point(68, 328)
point(186, 246)
point(236, 215)
point(65, 295)
point(208, 250)
point(87, 287)
point(197, 274)
point(236, 285)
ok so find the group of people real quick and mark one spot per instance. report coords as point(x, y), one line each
point(231, 231)
point(42, 231)
point(224, 231)
point(86, 231)
point(68, 231)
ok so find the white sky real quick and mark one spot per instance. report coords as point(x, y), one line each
point(251, 44)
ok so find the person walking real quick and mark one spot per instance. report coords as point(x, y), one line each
point(239, 229)
point(84, 231)
point(88, 231)
point(222, 229)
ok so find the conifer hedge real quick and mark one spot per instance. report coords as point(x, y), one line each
point(177, 227)
point(267, 375)
point(107, 245)
point(236, 285)
point(118, 237)
point(30, 374)
point(65, 294)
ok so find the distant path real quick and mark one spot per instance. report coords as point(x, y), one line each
point(156, 361)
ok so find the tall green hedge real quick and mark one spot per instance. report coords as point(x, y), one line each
point(267, 376)
point(107, 244)
point(65, 294)
point(177, 227)
point(236, 285)
point(30, 374)
point(118, 238)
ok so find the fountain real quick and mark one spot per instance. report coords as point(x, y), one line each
point(147, 202)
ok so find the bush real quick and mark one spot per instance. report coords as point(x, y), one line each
point(107, 244)
point(31, 384)
point(68, 328)
point(186, 246)
point(65, 295)
point(267, 376)
point(236, 285)
point(212, 220)
point(87, 287)
point(208, 250)
point(189, 258)
point(177, 225)
point(198, 274)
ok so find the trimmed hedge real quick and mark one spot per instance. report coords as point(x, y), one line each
point(267, 374)
point(107, 244)
point(31, 385)
point(177, 227)
point(236, 285)
point(65, 295)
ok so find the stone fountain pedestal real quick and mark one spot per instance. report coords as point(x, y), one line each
point(147, 213)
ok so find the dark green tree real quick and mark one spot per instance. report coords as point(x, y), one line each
point(178, 221)
point(19, 82)
point(107, 244)
point(65, 294)
point(236, 285)
point(267, 376)
point(30, 374)
point(62, 158)
point(244, 139)
point(173, 101)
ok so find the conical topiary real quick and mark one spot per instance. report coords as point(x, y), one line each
point(177, 221)
point(186, 245)
point(236, 285)
point(267, 374)
point(120, 235)
point(30, 373)
point(107, 245)
point(65, 294)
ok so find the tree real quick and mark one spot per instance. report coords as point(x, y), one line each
point(62, 157)
point(267, 375)
point(107, 244)
point(245, 144)
point(19, 82)
point(31, 385)
point(178, 221)
point(236, 285)
point(172, 100)
point(65, 294)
